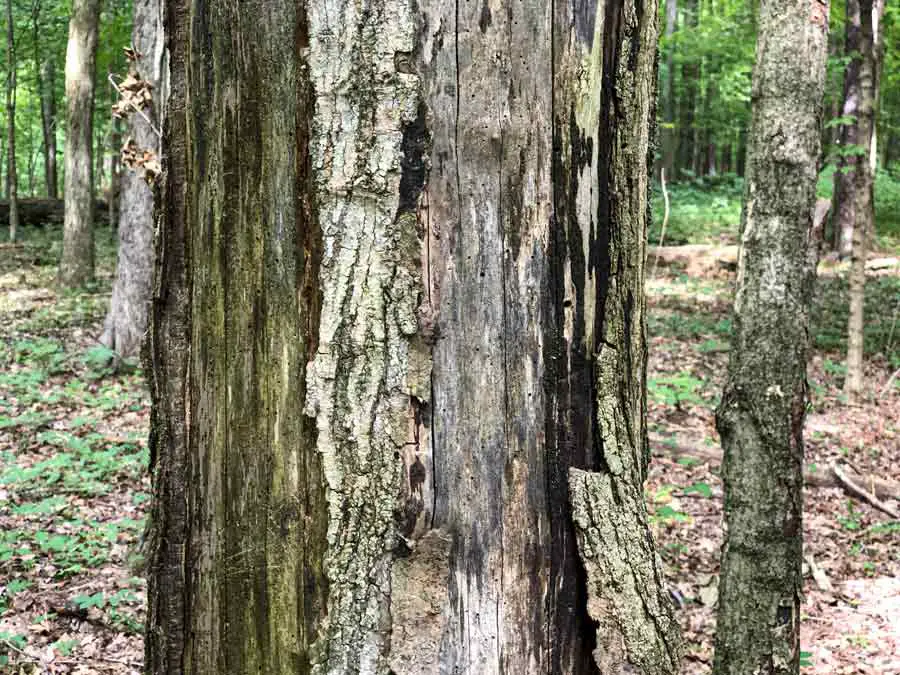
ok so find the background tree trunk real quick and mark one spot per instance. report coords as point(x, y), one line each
point(843, 211)
point(127, 318)
point(690, 78)
point(77, 263)
point(48, 125)
point(347, 477)
point(11, 177)
point(670, 127)
point(761, 415)
point(863, 184)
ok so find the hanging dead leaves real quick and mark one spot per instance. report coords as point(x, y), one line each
point(136, 97)
point(140, 159)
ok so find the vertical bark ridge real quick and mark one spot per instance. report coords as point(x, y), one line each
point(625, 589)
point(361, 384)
point(570, 306)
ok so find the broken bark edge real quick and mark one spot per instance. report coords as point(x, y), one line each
point(634, 618)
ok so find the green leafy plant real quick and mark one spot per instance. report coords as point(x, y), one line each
point(676, 390)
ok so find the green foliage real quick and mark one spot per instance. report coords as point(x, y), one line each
point(701, 489)
point(702, 211)
point(676, 390)
point(828, 321)
point(852, 520)
point(887, 202)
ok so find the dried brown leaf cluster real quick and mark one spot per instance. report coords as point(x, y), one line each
point(137, 158)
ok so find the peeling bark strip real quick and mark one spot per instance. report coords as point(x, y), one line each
point(635, 622)
point(760, 418)
point(398, 298)
point(360, 384)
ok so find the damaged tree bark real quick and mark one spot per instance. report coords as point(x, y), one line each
point(391, 313)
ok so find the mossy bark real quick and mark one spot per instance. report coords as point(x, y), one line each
point(398, 297)
point(76, 266)
point(763, 405)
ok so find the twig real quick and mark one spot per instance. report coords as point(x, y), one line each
point(818, 574)
point(662, 232)
point(136, 109)
point(9, 645)
point(888, 384)
point(862, 494)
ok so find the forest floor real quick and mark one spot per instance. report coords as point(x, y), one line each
point(74, 490)
point(851, 615)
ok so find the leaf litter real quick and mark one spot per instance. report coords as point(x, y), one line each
point(74, 490)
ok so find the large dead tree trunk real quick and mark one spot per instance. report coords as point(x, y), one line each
point(398, 341)
point(77, 263)
point(126, 321)
point(763, 405)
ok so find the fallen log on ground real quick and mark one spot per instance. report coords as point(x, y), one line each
point(868, 488)
point(43, 211)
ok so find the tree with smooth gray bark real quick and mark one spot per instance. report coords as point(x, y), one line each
point(126, 321)
point(398, 343)
point(76, 265)
point(761, 415)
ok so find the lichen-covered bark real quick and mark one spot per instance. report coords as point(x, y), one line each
point(362, 391)
point(763, 405)
point(126, 320)
point(635, 625)
point(77, 263)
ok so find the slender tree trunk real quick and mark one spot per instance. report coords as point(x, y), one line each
point(347, 477)
point(115, 168)
point(863, 184)
point(690, 77)
point(48, 124)
point(761, 415)
point(843, 213)
point(670, 130)
point(12, 178)
point(126, 321)
point(77, 264)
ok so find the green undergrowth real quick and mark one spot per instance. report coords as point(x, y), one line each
point(708, 210)
point(709, 328)
point(73, 453)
